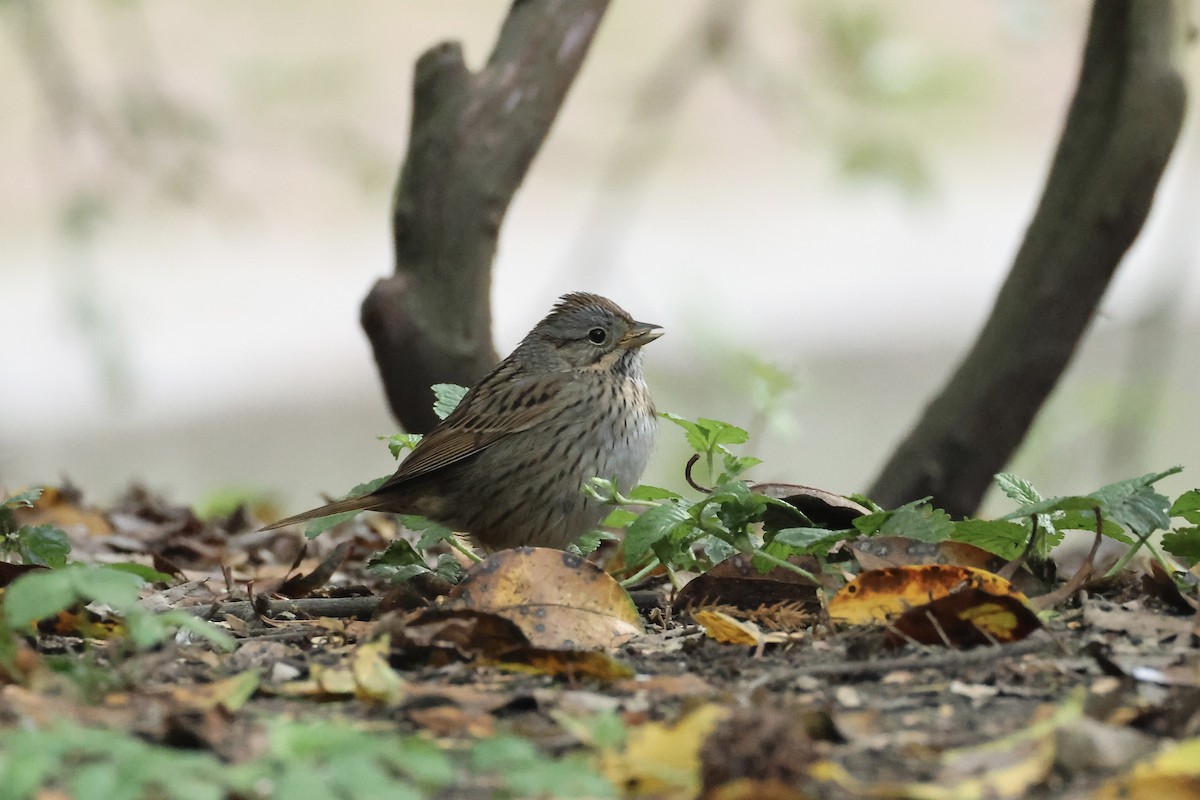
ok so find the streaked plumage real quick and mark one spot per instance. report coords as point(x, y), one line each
point(506, 466)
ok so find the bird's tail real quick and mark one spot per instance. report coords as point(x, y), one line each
point(363, 502)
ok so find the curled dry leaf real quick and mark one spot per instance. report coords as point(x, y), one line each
point(880, 552)
point(966, 618)
point(823, 509)
point(737, 582)
point(559, 600)
point(879, 595)
point(729, 630)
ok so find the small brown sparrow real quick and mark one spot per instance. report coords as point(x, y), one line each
point(508, 464)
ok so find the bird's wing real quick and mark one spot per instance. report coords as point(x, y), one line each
point(499, 405)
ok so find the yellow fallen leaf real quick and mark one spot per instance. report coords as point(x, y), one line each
point(1173, 774)
point(660, 759)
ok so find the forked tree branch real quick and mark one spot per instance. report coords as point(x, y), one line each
point(473, 137)
point(1119, 133)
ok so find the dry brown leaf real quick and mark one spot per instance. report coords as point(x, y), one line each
point(737, 582)
point(229, 694)
point(559, 600)
point(965, 618)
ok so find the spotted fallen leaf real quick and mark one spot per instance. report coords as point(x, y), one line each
point(880, 552)
point(559, 600)
point(966, 618)
point(729, 630)
point(662, 759)
point(878, 595)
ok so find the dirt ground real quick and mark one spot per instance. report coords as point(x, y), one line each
point(831, 712)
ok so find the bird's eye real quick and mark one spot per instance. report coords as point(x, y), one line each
point(597, 336)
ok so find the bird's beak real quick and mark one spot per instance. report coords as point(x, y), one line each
point(641, 333)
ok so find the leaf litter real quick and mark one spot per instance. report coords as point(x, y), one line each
point(538, 677)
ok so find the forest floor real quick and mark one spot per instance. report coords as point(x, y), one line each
point(352, 688)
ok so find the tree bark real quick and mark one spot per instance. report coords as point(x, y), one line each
point(1119, 133)
point(472, 140)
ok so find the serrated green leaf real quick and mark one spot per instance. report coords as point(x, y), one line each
point(816, 541)
point(736, 465)
point(431, 532)
point(1184, 544)
point(26, 498)
point(113, 587)
point(869, 524)
point(448, 568)
point(925, 524)
point(644, 492)
point(619, 518)
point(651, 527)
point(46, 545)
point(399, 442)
point(147, 574)
point(37, 595)
point(1053, 505)
point(447, 396)
point(1018, 489)
point(1187, 505)
point(319, 526)
point(1005, 538)
point(718, 432)
point(1134, 505)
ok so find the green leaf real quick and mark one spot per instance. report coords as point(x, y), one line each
point(112, 587)
point(1003, 537)
point(816, 541)
point(1184, 544)
point(448, 568)
point(1018, 489)
point(399, 442)
point(37, 595)
point(915, 520)
point(26, 498)
point(431, 532)
point(708, 436)
point(651, 527)
point(651, 493)
point(1187, 505)
point(147, 574)
point(619, 518)
point(588, 543)
point(43, 544)
point(398, 562)
point(447, 396)
point(1053, 505)
point(925, 524)
point(1135, 505)
point(319, 526)
point(736, 465)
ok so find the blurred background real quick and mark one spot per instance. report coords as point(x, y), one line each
point(817, 199)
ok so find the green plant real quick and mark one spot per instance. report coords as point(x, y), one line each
point(44, 545)
point(300, 759)
point(44, 593)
